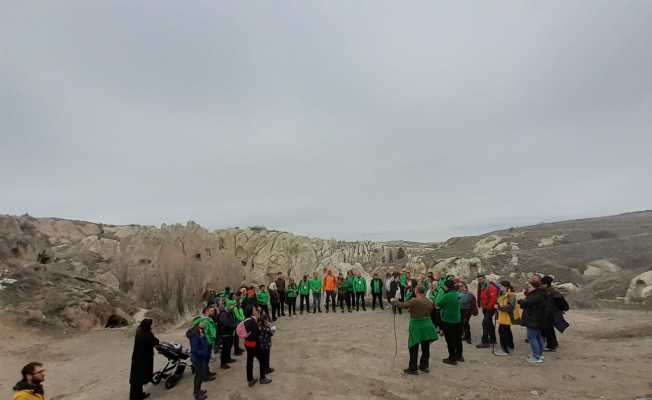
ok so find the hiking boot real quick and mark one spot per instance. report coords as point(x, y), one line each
point(460, 359)
point(211, 378)
point(500, 353)
point(252, 382)
point(225, 366)
point(449, 361)
point(410, 371)
point(265, 381)
point(483, 346)
point(425, 370)
point(533, 360)
point(468, 341)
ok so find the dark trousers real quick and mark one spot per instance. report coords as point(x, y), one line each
point(304, 297)
point(342, 299)
point(466, 326)
point(379, 297)
point(257, 353)
point(453, 335)
point(225, 356)
point(292, 305)
point(352, 299)
point(488, 327)
point(135, 391)
point(282, 299)
point(236, 345)
point(506, 337)
point(264, 309)
point(425, 356)
point(316, 302)
point(276, 310)
point(201, 374)
point(359, 299)
point(550, 336)
point(330, 299)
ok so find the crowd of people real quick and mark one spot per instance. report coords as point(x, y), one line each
point(234, 322)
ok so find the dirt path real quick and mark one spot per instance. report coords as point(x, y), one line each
point(605, 355)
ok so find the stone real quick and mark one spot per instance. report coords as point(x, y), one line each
point(601, 267)
point(640, 288)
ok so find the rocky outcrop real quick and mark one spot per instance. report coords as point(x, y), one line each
point(640, 288)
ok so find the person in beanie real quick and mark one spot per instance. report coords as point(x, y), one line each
point(199, 356)
point(262, 298)
point(142, 360)
point(315, 289)
point(254, 350)
point(449, 310)
point(359, 288)
point(304, 292)
point(487, 297)
point(506, 308)
point(280, 287)
point(330, 287)
point(535, 310)
point(376, 292)
point(274, 301)
point(226, 327)
point(30, 387)
point(469, 308)
point(421, 330)
point(291, 296)
point(343, 293)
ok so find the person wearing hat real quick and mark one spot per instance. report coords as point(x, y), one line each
point(422, 332)
point(507, 314)
point(449, 306)
point(226, 327)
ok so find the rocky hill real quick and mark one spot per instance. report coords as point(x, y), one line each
point(79, 274)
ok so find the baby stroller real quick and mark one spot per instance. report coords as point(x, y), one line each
point(175, 366)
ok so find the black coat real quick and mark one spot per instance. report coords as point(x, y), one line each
point(226, 323)
point(142, 359)
point(535, 309)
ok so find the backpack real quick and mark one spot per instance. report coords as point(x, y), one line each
point(241, 330)
point(517, 314)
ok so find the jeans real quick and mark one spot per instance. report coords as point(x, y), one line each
point(330, 299)
point(453, 335)
point(425, 356)
point(488, 327)
point(255, 352)
point(225, 356)
point(506, 338)
point(304, 297)
point(379, 297)
point(536, 341)
point(316, 302)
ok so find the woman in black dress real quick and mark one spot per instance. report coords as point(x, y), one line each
point(142, 360)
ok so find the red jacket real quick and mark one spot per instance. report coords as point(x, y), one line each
point(488, 297)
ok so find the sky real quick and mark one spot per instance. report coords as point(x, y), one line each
point(366, 120)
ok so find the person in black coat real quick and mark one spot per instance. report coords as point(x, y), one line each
point(535, 312)
point(557, 305)
point(395, 288)
point(226, 327)
point(142, 360)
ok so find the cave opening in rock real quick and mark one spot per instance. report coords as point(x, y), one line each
point(198, 256)
point(43, 258)
point(116, 321)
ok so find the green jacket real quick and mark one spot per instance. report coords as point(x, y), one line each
point(304, 287)
point(291, 291)
point(210, 331)
point(403, 279)
point(449, 306)
point(315, 285)
point(359, 285)
point(238, 313)
point(376, 286)
point(262, 298)
point(349, 283)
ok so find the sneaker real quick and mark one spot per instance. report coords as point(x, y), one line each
point(449, 361)
point(410, 371)
point(531, 356)
point(534, 360)
point(547, 350)
point(252, 382)
point(500, 353)
point(483, 346)
point(265, 381)
point(425, 370)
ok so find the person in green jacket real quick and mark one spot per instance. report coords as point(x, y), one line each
point(359, 288)
point(315, 289)
point(209, 332)
point(376, 292)
point(262, 298)
point(304, 293)
point(238, 314)
point(448, 304)
point(291, 293)
point(343, 293)
point(349, 287)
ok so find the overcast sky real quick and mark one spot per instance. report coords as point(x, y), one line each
point(355, 120)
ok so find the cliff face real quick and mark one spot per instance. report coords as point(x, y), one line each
point(165, 269)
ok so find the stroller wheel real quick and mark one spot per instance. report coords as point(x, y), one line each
point(156, 379)
point(170, 383)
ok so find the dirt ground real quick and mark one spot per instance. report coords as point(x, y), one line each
point(605, 355)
